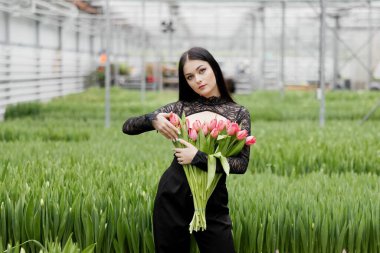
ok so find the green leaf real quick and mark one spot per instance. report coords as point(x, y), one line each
point(324, 234)
point(225, 145)
point(211, 165)
point(221, 137)
point(236, 148)
point(201, 141)
point(89, 249)
point(225, 164)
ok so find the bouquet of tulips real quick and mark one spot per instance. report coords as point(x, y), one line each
point(219, 139)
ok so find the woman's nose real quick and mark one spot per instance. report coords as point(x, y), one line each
point(198, 79)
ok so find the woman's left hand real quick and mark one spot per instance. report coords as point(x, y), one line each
point(185, 155)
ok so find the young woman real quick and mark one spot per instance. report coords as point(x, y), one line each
point(202, 95)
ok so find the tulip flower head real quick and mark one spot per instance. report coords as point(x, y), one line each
point(197, 125)
point(212, 124)
point(214, 133)
point(174, 119)
point(250, 140)
point(193, 134)
point(221, 124)
point(228, 123)
point(233, 129)
point(241, 134)
point(205, 129)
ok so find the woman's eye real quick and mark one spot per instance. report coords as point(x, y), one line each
point(189, 78)
point(202, 71)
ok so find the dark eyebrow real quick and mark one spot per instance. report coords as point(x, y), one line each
point(195, 69)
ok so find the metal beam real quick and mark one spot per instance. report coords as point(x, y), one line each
point(348, 47)
point(322, 44)
point(60, 37)
point(263, 48)
point(360, 48)
point(370, 31)
point(108, 68)
point(282, 59)
point(37, 33)
point(143, 49)
point(97, 2)
point(7, 28)
point(252, 49)
point(336, 51)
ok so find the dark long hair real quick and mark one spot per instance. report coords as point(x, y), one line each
point(186, 93)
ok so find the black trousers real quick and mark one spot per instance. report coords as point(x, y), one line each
point(173, 212)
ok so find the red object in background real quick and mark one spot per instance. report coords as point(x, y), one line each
point(150, 79)
point(103, 59)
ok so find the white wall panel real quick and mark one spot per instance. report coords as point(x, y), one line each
point(68, 40)
point(97, 44)
point(48, 36)
point(84, 43)
point(2, 26)
point(22, 31)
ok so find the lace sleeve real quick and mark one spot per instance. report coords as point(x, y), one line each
point(239, 163)
point(143, 123)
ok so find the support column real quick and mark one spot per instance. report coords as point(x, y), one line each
point(79, 79)
point(143, 45)
point(336, 52)
point(8, 62)
point(116, 56)
point(60, 56)
point(38, 59)
point(282, 61)
point(263, 48)
point(107, 69)
point(92, 50)
point(370, 35)
point(216, 28)
point(322, 43)
point(252, 51)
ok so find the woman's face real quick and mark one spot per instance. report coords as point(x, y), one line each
point(201, 78)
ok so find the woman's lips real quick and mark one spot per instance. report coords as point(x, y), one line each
point(202, 86)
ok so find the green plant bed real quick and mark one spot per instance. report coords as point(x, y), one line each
point(307, 188)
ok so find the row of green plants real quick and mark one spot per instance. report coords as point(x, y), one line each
point(52, 247)
point(309, 213)
point(263, 105)
point(296, 147)
point(67, 182)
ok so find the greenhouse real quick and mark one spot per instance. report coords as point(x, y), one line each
point(106, 105)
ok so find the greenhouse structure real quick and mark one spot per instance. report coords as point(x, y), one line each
point(73, 72)
point(52, 48)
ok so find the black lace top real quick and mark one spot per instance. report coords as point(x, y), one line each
point(229, 110)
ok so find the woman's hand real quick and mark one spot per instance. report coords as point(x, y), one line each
point(185, 155)
point(163, 125)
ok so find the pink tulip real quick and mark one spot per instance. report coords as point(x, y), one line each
point(250, 140)
point(241, 134)
point(174, 119)
point(197, 125)
point(212, 124)
point(193, 134)
point(233, 129)
point(228, 123)
point(236, 126)
point(205, 129)
point(221, 125)
point(214, 133)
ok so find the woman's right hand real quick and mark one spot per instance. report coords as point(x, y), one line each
point(163, 125)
